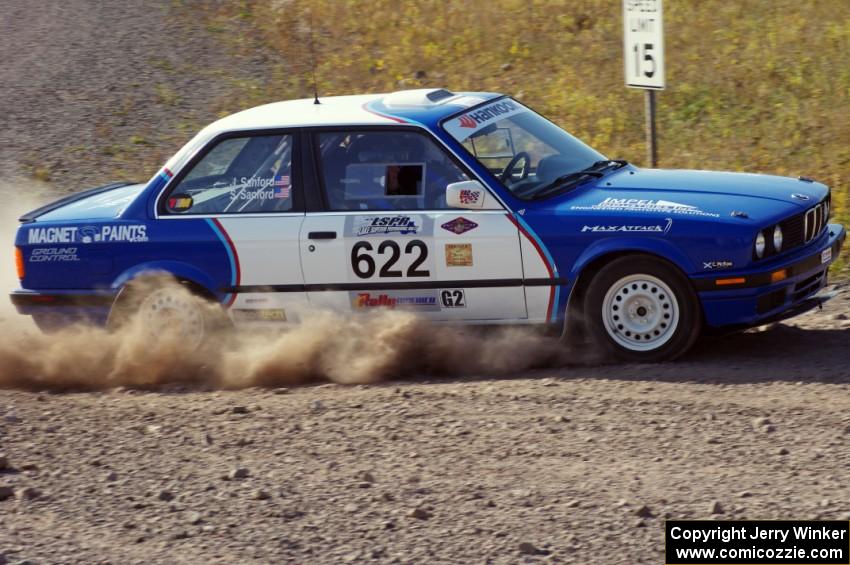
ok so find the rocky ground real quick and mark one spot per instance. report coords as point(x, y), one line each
point(570, 465)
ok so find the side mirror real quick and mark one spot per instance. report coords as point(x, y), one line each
point(470, 194)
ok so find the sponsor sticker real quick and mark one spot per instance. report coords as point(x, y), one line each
point(715, 265)
point(646, 205)
point(619, 228)
point(459, 225)
point(458, 254)
point(88, 234)
point(250, 315)
point(467, 124)
point(403, 300)
point(385, 225)
point(471, 197)
point(180, 203)
point(826, 256)
point(54, 255)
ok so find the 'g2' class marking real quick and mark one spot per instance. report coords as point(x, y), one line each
point(453, 298)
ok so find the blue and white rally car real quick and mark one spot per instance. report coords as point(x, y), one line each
point(460, 207)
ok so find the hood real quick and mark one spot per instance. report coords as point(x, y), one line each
point(693, 195)
point(719, 184)
point(101, 203)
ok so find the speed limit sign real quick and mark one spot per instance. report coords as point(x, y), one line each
point(643, 44)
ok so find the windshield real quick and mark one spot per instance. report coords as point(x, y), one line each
point(522, 149)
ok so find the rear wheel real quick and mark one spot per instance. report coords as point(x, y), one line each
point(167, 310)
point(642, 309)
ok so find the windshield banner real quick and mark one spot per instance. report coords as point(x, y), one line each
point(467, 124)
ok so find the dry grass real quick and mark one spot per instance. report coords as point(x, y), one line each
point(754, 85)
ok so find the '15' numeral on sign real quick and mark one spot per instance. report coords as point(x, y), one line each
point(644, 61)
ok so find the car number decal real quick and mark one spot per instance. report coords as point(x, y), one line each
point(365, 258)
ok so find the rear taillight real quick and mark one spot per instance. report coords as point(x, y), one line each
point(19, 263)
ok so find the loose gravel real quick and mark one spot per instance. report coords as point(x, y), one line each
point(578, 465)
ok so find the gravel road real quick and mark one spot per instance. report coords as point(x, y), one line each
point(575, 465)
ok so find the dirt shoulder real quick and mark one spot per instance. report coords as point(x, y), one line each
point(95, 90)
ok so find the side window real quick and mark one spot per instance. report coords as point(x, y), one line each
point(240, 175)
point(385, 170)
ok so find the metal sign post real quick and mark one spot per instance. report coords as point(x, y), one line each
point(643, 43)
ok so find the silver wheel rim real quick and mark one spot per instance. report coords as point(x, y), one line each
point(165, 312)
point(640, 312)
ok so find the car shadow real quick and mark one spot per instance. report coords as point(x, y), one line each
point(781, 353)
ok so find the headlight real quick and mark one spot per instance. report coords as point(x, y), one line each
point(760, 245)
point(777, 239)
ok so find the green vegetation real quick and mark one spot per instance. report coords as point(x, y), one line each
point(753, 85)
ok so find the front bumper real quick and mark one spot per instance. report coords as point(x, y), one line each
point(754, 298)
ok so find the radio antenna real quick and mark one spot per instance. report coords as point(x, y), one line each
point(313, 61)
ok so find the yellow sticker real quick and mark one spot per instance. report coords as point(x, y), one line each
point(275, 315)
point(251, 315)
point(458, 254)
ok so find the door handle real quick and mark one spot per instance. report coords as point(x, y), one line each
point(321, 235)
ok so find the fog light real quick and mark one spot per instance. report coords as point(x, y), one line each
point(760, 245)
point(777, 239)
point(19, 263)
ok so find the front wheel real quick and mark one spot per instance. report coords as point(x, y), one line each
point(642, 309)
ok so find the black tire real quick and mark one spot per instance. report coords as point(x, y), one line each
point(628, 311)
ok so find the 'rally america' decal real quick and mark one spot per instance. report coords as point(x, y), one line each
point(467, 124)
point(418, 300)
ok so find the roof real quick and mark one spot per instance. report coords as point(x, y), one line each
point(422, 106)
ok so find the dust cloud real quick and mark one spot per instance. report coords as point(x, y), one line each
point(362, 348)
point(325, 347)
point(19, 197)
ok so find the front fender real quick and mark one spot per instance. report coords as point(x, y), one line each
point(652, 246)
